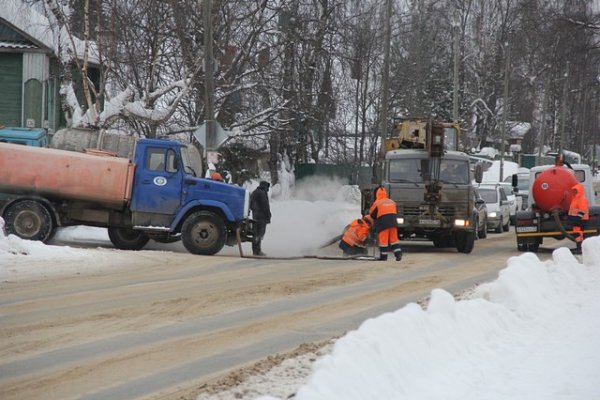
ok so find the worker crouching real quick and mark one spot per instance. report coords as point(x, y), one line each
point(355, 236)
point(384, 212)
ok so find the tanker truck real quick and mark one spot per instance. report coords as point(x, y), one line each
point(548, 204)
point(156, 195)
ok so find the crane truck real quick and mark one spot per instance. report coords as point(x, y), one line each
point(546, 215)
point(155, 195)
point(430, 181)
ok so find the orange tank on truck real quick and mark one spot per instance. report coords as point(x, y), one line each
point(60, 174)
point(546, 215)
point(158, 194)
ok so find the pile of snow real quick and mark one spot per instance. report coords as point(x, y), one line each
point(531, 334)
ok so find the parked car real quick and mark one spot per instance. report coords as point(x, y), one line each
point(498, 210)
point(480, 214)
point(515, 203)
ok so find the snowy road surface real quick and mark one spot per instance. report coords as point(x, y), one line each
point(149, 322)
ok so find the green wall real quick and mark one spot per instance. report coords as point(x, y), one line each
point(11, 80)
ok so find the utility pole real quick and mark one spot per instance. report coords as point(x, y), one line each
point(383, 122)
point(543, 128)
point(455, 25)
point(209, 113)
point(563, 111)
point(505, 106)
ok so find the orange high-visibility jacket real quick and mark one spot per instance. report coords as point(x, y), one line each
point(357, 233)
point(383, 210)
point(579, 204)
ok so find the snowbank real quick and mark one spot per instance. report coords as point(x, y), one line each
point(531, 334)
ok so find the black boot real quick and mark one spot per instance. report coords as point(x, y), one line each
point(256, 249)
point(398, 255)
point(383, 257)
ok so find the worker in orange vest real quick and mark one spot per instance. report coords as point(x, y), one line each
point(355, 237)
point(384, 212)
point(579, 214)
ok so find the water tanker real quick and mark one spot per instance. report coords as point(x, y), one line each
point(548, 206)
point(156, 195)
point(552, 189)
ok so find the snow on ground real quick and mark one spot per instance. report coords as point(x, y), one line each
point(531, 334)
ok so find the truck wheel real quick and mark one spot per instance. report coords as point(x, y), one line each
point(30, 220)
point(521, 246)
point(533, 247)
point(127, 239)
point(203, 233)
point(465, 242)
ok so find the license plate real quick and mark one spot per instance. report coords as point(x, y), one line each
point(526, 228)
point(429, 222)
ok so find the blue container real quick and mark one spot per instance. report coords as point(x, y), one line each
point(28, 136)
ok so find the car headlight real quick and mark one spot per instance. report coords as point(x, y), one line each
point(492, 214)
point(400, 221)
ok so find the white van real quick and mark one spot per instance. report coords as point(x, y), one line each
point(498, 209)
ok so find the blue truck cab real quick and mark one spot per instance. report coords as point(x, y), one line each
point(170, 201)
point(27, 136)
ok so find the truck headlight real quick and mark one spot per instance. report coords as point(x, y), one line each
point(400, 221)
point(461, 222)
point(492, 214)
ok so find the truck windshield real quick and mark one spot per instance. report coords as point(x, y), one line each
point(409, 170)
point(416, 170)
point(192, 160)
point(454, 171)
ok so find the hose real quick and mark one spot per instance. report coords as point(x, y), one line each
point(361, 257)
point(561, 227)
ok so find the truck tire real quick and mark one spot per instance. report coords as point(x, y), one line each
point(30, 220)
point(127, 239)
point(465, 241)
point(533, 247)
point(203, 233)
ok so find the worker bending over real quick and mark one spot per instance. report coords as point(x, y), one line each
point(355, 237)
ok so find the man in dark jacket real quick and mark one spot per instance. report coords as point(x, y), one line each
point(261, 214)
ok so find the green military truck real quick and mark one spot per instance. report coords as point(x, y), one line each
point(431, 183)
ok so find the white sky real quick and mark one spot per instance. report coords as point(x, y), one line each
point(532, 334)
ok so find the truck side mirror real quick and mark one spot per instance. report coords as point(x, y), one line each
point(515, 181)
point(478, 172)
